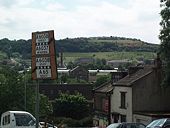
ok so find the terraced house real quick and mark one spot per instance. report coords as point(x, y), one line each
point(137, 97)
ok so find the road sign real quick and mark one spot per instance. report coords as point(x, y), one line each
point(43, 55)
point(43, 72)
point(43, 61)
point(42, 48)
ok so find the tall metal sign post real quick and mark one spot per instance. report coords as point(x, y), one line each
point(43, 61)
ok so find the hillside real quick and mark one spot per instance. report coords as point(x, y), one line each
point(84, 45)
point(104, 44)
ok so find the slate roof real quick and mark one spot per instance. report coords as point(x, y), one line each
point(105, 88)
point(126, 81)
point(130, 79)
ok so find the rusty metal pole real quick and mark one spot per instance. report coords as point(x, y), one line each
point(37, 104)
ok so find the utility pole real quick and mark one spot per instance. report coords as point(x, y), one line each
point(37, 104)
point(25, 90)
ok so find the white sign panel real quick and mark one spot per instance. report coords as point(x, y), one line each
point(42, 49)
point(43, 61)
point(43, 73)
point(42, 46)
point(42, 37)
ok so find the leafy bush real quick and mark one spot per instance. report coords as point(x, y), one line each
point(73, 106)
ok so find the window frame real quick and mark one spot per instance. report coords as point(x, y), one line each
point(123, 100)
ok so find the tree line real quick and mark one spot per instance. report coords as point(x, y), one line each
point(22, 47)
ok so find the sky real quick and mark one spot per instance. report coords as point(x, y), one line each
point(81, 18)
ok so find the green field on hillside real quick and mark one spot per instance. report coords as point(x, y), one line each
point(118, 42)
point(109, 55)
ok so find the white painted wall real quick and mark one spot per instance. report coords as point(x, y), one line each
point(116, 101)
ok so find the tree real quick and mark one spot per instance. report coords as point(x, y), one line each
point(64, 78)
point(11, 90)
point(73, 106)
point(102, 79)
point(165, 38)
point(70, 65)
point(45, 106)
point(12, 93)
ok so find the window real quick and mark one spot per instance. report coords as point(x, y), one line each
point(123, 118)
point(6, 120)
point(24, 120)
point(123, 100)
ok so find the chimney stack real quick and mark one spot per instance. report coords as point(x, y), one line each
point(61, 57)
point(158, 61)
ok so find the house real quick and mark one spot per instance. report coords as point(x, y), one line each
point(102, 100)
point(79, 73)
point(138, 97)
point(102, 103)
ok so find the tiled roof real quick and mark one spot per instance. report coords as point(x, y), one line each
point(105, 88)
point(126, 81)
point(130, 79)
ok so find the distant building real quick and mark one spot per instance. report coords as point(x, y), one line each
point(84, 60)
point(79, 73)
point(117, 63)
point(10, 62)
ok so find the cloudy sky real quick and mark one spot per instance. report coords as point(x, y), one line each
point(81, 18)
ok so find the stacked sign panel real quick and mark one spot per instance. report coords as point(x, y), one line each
point(43, 55)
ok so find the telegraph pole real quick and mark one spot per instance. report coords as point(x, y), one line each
point(37, 104)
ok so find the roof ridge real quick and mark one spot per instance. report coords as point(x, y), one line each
point(129, 79)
